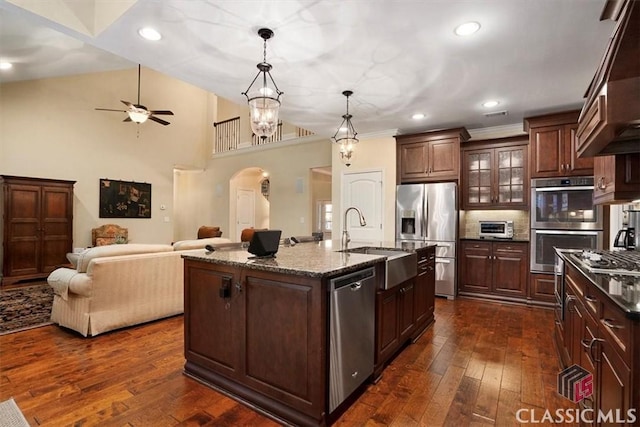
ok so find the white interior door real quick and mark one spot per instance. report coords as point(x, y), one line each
point(245, 210)
point(364, 191)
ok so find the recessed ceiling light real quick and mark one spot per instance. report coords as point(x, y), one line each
point(5, 65)
point(149, 33)
point(467, 28)
point(490, 104)
point(418, 116)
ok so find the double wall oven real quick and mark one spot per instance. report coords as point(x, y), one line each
point(563, 216)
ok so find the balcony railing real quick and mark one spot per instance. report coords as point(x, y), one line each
point(227, 135)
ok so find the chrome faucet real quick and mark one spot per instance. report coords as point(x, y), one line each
point(345, 234)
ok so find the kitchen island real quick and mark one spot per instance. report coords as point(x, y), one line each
point(258, 329)
point(598, 328)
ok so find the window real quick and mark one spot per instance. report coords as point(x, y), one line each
point(325, 216)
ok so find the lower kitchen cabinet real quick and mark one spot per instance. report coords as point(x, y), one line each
point(614, 382)
point(598, 336)
point(425, 297)
point(260, 336)
point(542, 288)
point(494, 269)
point(405, 311)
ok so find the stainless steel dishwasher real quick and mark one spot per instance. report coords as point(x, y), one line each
point(351, 333)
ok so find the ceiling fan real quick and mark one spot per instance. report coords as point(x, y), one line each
point(139, 113)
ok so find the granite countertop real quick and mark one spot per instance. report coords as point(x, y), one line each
point(624, 291)
point(312, 259)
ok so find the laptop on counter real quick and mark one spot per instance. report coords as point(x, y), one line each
point(264, 243)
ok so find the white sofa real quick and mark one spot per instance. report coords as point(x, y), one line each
point(116, 286)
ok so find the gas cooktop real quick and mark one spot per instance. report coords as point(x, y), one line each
point(625, 263)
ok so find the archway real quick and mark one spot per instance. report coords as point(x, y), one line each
point(249, 201)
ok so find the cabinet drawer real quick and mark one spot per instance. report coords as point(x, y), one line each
point(519, 248)
point(617, 329)
point(592, 300)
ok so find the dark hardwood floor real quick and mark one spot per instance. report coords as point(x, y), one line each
point(477, 365)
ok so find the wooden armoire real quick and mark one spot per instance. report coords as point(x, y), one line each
point(37, 226)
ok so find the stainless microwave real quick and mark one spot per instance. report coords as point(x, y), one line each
point(496, 229)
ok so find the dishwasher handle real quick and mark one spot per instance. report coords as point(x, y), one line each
point(355, 280)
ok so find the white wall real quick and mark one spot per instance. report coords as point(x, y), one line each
point(50, 129)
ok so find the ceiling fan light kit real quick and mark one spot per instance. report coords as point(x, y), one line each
point(264, 99)
point(345, 136)
point(138, 113)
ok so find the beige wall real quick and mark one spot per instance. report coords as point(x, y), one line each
point(372, 153)
point(320, 190)
point(50, 129)
point(289, 166)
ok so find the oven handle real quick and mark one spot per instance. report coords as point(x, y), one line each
point(582, 232)
point(541, 189)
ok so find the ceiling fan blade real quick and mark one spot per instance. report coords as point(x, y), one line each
point(162, 112)
point(128, 119)
point(157, 120)
point(109, 109)
point(127, 103)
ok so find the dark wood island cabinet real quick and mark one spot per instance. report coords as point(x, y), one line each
point(259, 330)
point(405, 311)
point(600, 331)
point(264, 343)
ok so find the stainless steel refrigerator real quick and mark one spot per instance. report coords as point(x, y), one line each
point(428, 213)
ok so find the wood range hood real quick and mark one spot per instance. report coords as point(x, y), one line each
point(609, 122)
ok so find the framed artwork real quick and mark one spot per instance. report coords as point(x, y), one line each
point(124, 199)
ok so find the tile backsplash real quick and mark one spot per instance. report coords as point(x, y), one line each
point(470, 225)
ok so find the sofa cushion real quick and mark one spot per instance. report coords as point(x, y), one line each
point(184, 245)
point(114, 250)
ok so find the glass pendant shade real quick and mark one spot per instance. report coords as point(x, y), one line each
point(347, 154)
point(263, 112)
point(345, 136)
point(264, 98)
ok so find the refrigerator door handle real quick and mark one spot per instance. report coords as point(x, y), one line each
point(425, 216)
point(443, 261)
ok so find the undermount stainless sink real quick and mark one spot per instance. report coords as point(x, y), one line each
point(400, 265)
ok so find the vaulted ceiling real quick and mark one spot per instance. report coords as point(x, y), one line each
point(399, 57)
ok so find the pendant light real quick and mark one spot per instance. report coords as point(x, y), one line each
point(345, 136)
point(264, 101)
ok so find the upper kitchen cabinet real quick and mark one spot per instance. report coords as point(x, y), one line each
point(608, 123)
point(430, 156)
point(495, 174)
point(554, 146)
point(617, 178)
